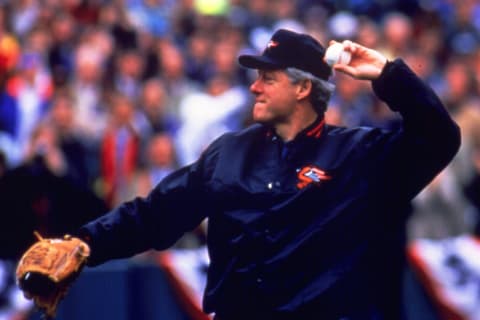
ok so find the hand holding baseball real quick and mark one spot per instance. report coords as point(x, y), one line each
point(364, 63)
point(336, 54)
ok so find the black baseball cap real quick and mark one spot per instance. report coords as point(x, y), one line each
point(290, 49)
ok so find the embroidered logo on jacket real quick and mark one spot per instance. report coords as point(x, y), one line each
point(311, 174)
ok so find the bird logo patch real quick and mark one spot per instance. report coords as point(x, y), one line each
point(272, 44)
point(311, 175)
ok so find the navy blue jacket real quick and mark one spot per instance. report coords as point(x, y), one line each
point(300, 228)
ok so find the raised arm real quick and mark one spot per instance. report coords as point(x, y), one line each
point(429, 138)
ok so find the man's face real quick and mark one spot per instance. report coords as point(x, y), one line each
point(275, 97)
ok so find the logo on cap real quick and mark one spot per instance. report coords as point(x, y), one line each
point(311, 174)
point(272, 44)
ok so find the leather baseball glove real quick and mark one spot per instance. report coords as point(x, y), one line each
point(48, 268)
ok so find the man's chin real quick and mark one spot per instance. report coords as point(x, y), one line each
point(262, 120)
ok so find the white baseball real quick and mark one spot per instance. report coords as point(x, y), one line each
point(335, 54)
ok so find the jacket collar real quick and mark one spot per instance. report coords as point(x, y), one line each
point(313, 131)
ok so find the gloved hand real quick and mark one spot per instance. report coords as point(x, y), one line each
point(48, 268)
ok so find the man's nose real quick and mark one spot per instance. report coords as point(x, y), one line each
point(255, 86)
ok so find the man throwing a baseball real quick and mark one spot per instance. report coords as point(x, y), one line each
point(305, 219)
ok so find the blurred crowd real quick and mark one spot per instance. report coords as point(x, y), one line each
point(99, 100)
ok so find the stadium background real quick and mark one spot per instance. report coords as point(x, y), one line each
point(99, 100)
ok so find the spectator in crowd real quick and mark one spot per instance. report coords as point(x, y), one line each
point(61, 53)
point(127, 73)
point(368, 33)
point(25, 14)
point(198, 57)
point(172, 73)
point(462, 36)
point(70, 140)
point(206, 115)
point(224, 53)
point(9, 46)
point(151, 16)
point(458, 85)
point(9, 119)
point(161, 161)
point(155, 114)
point(32, 90)
point(352, 101)
point(397, 33)
point(120, 148)
point(86, 86)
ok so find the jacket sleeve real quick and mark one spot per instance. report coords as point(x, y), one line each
point(176, 205)
point(428, 140)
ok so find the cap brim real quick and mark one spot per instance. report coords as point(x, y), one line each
point(259, 62)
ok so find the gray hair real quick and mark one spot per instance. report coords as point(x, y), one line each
point(321, 89)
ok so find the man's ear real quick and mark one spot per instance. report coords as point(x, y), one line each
point(304, 88)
